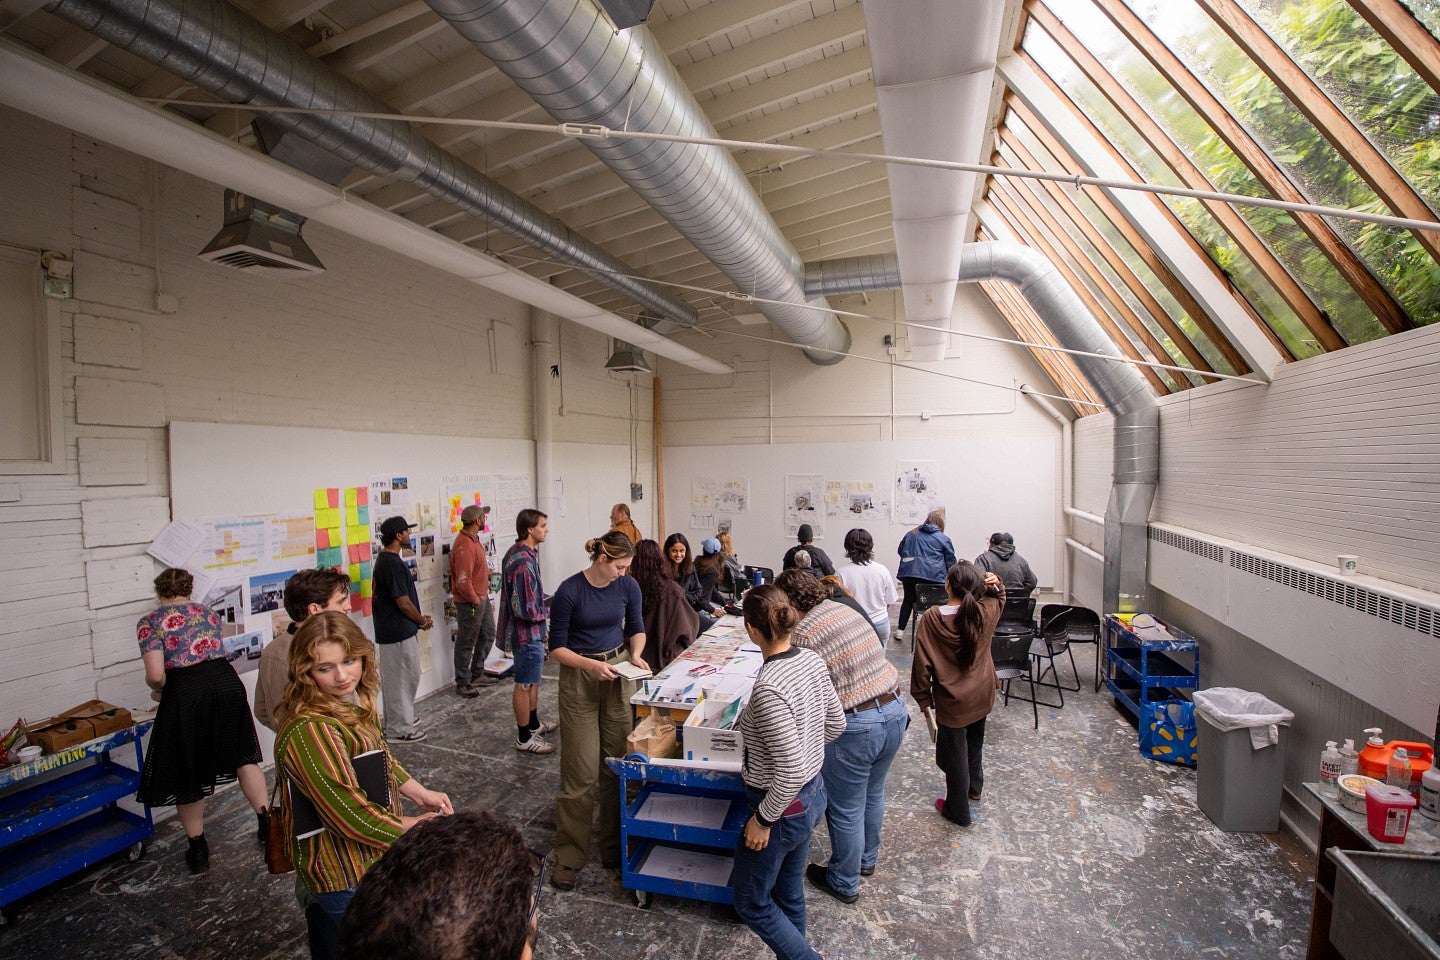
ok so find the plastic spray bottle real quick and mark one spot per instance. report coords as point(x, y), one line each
point(1330, 770)
point(1349, 758)
point(1398, 773)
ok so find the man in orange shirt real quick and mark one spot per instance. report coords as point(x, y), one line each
point(620, 520)
point(470, 588)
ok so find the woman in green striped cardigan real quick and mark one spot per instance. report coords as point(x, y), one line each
point(341, 806)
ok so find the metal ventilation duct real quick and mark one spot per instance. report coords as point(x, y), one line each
point(1120, 385)
point(568, 58)
point(215, 46)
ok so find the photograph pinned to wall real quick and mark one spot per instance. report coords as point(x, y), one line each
point(228, 602)
point(426, 517)
point(804, 503)
point(428, 567)
point(243, 649)
point(267, 591)
point(856, 500)
point(232, 542)
point(291, 539)
point(917, 491)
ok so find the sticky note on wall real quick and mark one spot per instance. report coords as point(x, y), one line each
point(322, 499)
point(367, 589)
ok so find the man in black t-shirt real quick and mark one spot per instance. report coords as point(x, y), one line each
point(397, 619)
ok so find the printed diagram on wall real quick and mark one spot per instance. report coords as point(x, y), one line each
point(856, 500)
point(917, 491)
point(232, 542)
point(292, 538)
point(713, 499)
point(390, 496)
point(805, 503)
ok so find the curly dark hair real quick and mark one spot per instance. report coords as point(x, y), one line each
point(803, 589)
point(312, 586)
point(174, 582)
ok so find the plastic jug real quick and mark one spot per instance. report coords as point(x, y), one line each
point(1375, 758)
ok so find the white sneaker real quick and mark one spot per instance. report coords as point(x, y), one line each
point(536, 744)
point(546, 728)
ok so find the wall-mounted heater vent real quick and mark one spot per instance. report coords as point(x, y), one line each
point(1396, 610)
point(261, 238)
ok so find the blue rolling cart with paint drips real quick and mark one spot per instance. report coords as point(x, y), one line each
point(639, 837)
point(51, 828)
point(1151, 678)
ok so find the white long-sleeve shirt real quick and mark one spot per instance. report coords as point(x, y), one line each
point(793, 712)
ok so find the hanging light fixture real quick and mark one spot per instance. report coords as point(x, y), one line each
point(627, 358)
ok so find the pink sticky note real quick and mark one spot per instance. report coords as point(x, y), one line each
point(322, 538)
point(334, 495)
point(362, 495)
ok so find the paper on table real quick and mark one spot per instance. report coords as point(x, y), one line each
point(177, 542)
point(688, 865)
point(687, 811)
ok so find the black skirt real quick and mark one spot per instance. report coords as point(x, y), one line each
point(203, 733)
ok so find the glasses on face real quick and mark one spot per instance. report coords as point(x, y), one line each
point(532, 923)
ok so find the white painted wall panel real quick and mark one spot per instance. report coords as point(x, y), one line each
point(109, 462)
point(107, 342)
point(112, 582)
point(123, 403)
point(117, 283)
point(123, 520)
point(104, 223)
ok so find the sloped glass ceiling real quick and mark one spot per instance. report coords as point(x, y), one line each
point(1174, 88)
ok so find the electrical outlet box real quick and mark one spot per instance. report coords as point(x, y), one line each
point(637, 491)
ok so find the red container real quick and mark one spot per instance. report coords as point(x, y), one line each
point(1387, 812)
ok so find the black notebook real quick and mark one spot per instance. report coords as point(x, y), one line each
point(372, 772)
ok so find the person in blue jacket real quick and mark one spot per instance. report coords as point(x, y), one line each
point(925, 556)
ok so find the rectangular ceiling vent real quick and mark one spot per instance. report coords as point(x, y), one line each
point(1397, 610)
point(261, 239)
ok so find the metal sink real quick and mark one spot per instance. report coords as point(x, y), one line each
point(1387, 905)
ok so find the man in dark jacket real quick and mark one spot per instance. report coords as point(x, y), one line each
point(1002, 560)
point(819, 563)
point(926, 556)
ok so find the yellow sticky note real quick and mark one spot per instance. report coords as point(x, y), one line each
point(350, 496)
point(355, 573)
point(352, 515)
point(322, 499)
point(367, 589)
point(331, 517)
point(335, 538)
point(360, 534)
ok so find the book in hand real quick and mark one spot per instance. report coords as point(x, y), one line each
point(628, 671)
point(930, 724)
point(373, 774)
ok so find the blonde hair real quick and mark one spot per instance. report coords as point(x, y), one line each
point(303, 698)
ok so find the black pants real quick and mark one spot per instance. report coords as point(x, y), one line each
point(958, 753)
point(909, 599)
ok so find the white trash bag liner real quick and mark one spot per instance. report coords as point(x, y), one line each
point(1230, 708)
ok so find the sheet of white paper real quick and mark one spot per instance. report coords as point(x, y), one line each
point(688, 865)
point(176, 542)
point(708, 812)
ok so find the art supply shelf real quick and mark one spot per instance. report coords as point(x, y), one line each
point(51, 828)
point(674, 840)
point(1153, 678)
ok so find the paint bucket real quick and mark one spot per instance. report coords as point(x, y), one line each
point(1387, 812)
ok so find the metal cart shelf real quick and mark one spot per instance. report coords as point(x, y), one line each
point(1147, 674)
point(52, 828)
point(638, 838)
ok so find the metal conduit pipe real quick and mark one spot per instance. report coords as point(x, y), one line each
point(215, 46)
point(569, 58)
point(1120, 385)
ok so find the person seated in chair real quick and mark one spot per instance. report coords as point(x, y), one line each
point(1002, 560)
point(822, 567)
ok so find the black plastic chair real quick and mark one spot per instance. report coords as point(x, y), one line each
point(1019, 610)
point(1010, 649)
point(767, 575)
point(1076, 625)
point(929, 595)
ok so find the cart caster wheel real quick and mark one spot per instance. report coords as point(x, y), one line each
point(641, 898)
point(135, 852)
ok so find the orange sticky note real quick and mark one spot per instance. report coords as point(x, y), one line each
point(333, 495)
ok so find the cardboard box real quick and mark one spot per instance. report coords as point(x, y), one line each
point(710, 744)
point(91, 719)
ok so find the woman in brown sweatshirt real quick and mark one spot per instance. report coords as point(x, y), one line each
point(953, 673)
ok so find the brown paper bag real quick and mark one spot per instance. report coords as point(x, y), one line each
point(654, 736)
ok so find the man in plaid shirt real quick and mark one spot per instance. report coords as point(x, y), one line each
point(523, 615)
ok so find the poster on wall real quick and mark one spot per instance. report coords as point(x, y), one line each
point(856, 501)
point(456, 493)
point(291, 539)
point(232, 542)
point(804, 503)
point(712, 498)
point(917, 491)
point(390, 496)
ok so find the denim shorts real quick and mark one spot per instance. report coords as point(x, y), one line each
point(529, 660)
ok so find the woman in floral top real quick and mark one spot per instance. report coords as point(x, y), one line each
point(203, 733)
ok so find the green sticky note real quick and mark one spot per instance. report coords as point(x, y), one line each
point(366, 568)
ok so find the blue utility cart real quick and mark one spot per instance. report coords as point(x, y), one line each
point(639, 838)
point(51, 828)
point(1153, 679)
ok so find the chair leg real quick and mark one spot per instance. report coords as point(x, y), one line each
point(1035, 705)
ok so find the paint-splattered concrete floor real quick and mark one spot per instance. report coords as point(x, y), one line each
point(1081, 849)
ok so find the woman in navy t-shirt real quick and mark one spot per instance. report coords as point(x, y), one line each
point(595, 622)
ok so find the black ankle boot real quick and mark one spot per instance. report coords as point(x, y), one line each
point(262, 825)
point(198, 855)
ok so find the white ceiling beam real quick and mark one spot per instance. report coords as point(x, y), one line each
point(74, 48)
point(718, 18)
point(336, 42)
point(364, 54)
point(847, 23)
point(811, 78)
point(460, 71)
point(798, 117)
point(13, 11)
point(282, 14)
point(1140, 209)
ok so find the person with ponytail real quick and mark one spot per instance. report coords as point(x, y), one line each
point(792, 714)
point(596, 622)
point(954, 673)
point(329, 725)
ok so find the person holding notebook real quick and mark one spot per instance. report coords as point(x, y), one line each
point(341, 788)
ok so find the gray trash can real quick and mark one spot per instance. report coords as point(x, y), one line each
point(1241, 758)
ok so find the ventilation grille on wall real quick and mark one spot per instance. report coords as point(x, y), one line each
point(1404, 613)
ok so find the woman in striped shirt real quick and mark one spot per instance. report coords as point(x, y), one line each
point(793, 712)
point(341, 808)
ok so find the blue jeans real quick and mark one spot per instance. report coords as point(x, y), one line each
point(769, 884)
point(856, 766)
